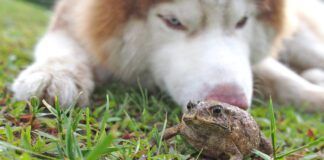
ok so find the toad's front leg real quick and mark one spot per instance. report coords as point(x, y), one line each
point(171, 132)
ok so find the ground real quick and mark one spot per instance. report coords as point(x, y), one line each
point(129, 126)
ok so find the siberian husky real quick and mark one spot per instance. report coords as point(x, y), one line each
point(191, 49)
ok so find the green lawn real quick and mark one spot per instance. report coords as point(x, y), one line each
point(128, 127)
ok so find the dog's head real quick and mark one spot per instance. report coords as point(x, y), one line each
point(195, 49)
point(205, 49)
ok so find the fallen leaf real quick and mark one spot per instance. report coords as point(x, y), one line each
point(26, 118)
point(310, 133)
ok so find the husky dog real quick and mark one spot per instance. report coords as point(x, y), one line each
point(192, 49)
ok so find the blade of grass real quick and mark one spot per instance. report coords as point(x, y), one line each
point(273, 128)
point(134, 125)
point(103, 123)
point(50, 108)
point(262, 155)
point(34, 105)
point(60, 150)
point(57, 106)
point(162, 133)
point(144, 97)
point(138, 146)
point(57, 113)
point(88, 128)
point(70, 141)
point(101, 148)
point(46, 135)
point(75, 140)
point(199, 154)
point(316, 142)
point(26, 138)
point(9, 134)
point(78, 149)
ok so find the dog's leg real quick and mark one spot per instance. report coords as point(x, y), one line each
point(61, 68)
point(305, 53)
point(304, 50)
point(287, 87)
point(315, 76)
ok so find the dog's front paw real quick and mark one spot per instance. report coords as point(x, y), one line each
point(46, 82)
point(313, 99)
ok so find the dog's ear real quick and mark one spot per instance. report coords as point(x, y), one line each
point(272, 12)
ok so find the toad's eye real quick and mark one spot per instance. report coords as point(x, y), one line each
point(242, 22)
point(191, 106)
point(217, 109)
point(173, 23)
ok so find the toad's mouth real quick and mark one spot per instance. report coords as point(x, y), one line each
point(195, 120)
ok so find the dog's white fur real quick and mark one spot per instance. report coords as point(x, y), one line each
point(187, 66)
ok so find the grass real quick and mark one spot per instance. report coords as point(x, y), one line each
point(273, 129)
point(273, 133)
point(127, 125)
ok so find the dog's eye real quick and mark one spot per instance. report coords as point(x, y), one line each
point(242, 23)
point(173, 23)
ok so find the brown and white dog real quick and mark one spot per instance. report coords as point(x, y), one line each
point(192, 49)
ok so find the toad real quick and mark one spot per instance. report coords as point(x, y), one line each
point(220, 130)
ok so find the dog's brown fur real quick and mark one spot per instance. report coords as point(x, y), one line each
point(100, 20)
point(272, 13)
